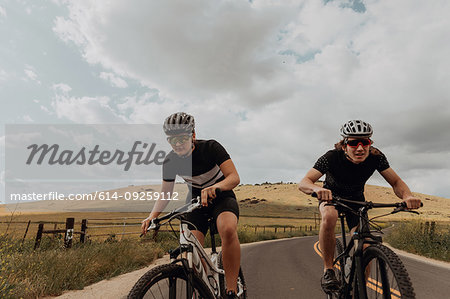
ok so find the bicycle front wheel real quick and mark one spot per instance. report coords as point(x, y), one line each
point(339, 264)
point(386, 277)
point(169, 281)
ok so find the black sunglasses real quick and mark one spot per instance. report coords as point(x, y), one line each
point(181, 139)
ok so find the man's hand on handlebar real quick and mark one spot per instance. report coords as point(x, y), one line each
point(413, 202)
point(324, 194)
point(208, 194)
point(145, 225)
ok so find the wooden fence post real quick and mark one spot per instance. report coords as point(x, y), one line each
point(26, 231)
point(54, 228)
point(38, 236)
point(83, 230)
point(315, 221)
point(69, 232)
point(432, 227)
point(275, 229)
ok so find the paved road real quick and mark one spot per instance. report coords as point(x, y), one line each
point(291, 268)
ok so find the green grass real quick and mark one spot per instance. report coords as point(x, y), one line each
point(25, 273)
point(418, 238)
point(50, 270)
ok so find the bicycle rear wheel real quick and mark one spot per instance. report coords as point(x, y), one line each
point(386, 275)
point(169, 281)
point(242, 288)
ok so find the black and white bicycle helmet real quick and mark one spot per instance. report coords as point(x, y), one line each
point(356, 128)
point(179, 123)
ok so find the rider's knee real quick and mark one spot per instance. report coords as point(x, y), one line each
point(228, 232)
point(329, 219)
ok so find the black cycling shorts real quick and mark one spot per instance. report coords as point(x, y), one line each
point(351, 219)
point(225, 202)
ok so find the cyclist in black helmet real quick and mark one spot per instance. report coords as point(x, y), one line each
point(347, 168)
point(205, 166)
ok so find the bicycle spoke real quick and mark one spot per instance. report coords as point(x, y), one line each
point(160, 292)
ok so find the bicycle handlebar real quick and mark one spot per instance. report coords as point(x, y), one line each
point(400, 206)
point(187, 208)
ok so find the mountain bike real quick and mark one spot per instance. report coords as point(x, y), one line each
point(364, 267)
point(191, 273)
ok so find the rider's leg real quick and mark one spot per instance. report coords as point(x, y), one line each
point(201, 238)
point(231, 249)
point(199, 235)
point(327, 238)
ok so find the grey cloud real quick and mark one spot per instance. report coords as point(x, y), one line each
point(217, 60)
point(206, 48)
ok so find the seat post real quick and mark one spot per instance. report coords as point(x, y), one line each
point(212, 233)
point(344, 241)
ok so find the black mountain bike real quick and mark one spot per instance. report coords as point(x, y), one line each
point(365, 267)
point(191, 273)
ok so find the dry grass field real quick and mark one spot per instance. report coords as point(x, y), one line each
point(263, 205)
point(286, 201)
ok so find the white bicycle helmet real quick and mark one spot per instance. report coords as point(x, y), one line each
point(179, 123)
point(356, 128)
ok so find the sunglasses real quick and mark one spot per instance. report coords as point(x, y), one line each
point(357, 142)
point(173, 140)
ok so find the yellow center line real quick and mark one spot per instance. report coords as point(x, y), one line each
point(377, 287)
point(375, 282)
point(319, 252)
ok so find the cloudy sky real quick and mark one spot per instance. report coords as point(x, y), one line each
point(271, 80)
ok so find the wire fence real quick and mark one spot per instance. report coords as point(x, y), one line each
point(117, 227)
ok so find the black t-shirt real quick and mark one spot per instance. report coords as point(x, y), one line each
point(345, 178)
point(199, 170)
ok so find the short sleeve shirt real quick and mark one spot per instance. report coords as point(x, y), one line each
point(347, 179)
point(199, 170)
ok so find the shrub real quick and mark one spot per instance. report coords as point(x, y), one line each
point(419, 238)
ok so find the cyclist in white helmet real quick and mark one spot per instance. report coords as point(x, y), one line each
point(347, 168)
point(205, 166)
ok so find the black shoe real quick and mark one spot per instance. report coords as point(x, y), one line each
point(230, 295)
point(329, 281)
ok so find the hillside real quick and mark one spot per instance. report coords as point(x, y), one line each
point(273, 200)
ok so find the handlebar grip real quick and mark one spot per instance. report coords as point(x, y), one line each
point(314, 194)
point(218, 191)
point(404, 205)
point(154, 224)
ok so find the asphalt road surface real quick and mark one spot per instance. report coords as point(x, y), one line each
point(291, 268)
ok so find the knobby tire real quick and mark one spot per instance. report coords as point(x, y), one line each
point(388, 276)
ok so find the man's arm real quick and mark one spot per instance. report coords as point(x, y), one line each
point(307, 185)
point(400, 188)
point(166, 188)
point(231, 180)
